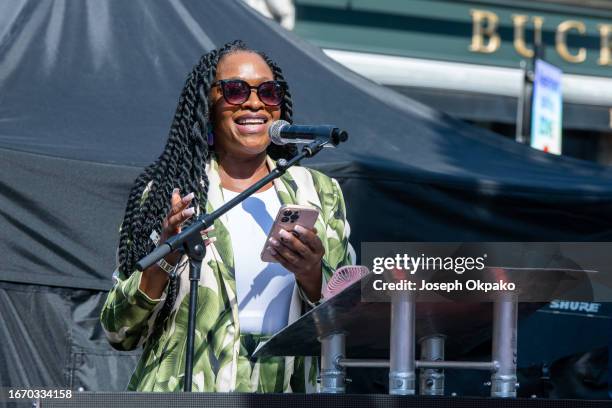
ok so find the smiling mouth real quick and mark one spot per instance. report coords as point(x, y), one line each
point(251, 125)
point(250, 121)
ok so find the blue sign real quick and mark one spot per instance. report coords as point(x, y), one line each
point(547, 108)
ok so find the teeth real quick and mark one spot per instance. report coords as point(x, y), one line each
point(250, 121)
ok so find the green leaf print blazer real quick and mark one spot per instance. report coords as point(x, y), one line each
point(222, 354)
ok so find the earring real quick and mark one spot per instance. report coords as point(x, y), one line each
point(210, 137)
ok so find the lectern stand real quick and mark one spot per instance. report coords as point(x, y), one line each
point(376, 334)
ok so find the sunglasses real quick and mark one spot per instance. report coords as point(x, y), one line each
point(237, 91)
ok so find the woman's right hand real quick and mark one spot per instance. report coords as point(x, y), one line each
point(154, 279)
point(179, 213)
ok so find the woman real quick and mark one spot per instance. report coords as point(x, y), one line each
point(218, 146)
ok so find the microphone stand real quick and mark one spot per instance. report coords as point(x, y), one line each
point(190, 241)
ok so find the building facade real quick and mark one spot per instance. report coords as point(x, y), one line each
point(464, 57)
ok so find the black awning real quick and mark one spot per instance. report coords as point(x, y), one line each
point(88, 90)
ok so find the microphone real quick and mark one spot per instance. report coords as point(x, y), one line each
point(282, 132)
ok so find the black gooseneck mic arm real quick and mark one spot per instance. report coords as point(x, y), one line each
point(191, 242)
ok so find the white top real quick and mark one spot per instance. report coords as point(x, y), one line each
point(264, 289)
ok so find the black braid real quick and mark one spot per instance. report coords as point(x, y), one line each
point(182, 165)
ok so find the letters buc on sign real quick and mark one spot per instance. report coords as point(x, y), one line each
point(486, 39)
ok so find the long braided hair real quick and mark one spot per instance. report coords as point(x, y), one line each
point(182, 165)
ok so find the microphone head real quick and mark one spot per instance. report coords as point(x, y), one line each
point(274, 131)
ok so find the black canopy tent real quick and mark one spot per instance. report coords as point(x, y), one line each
point(87, 93)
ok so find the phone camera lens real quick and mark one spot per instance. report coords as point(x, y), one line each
point(294, 217)
point(287, 213)
point(284, 219)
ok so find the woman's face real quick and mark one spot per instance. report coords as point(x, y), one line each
point(242, 130)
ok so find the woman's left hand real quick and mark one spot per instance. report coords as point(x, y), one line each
point(300, 251)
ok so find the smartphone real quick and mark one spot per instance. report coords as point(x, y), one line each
point(289, 215)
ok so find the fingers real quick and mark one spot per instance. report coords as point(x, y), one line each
point(309, 238)
point(178, 203)
point(175, 200)
point(297, 249)
point(205, 232)
point(299, 244)
point(291, 241)
point(285, 252)
point(179, 211)
point(177, 219)
point(287, 260)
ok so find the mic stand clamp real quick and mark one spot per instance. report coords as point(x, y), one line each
point(191, 242)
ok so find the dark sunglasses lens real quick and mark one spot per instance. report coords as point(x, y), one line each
point(236, 92)
point(271, 93)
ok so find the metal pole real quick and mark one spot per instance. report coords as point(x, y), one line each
point(458, 365)
point(332, 374)
point(195, 250)
point(454, 365)
point(402, 354)
point(431, 379)
point(520, 108)
point(189, 351)
point(363, 363)
point(505, 320)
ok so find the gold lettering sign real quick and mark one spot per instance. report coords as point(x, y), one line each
point(519, 21)
point(486, 39)
point(561, 41)
point(605, 53)
point(484, 25)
